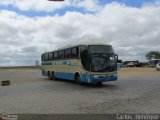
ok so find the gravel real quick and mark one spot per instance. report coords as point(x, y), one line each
point(136, 91)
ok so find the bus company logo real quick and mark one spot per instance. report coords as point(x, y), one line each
point(56, 63)
point(8, 117)
point(66, 62)
point(61, 63)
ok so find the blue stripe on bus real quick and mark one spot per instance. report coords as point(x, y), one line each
point(85, 77)
point(63, 75)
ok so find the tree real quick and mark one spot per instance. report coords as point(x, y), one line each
point(153, 55)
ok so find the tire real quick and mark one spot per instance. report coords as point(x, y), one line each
point(50, 76)
point(53, 76)
point(78, 79)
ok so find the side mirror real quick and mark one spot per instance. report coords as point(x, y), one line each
point(91, 66)
point(116, 57)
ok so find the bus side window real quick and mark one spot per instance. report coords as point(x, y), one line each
point(61, 54)
point(74, 52)
point(55, 55)
point(42, 57)
point(68, 53)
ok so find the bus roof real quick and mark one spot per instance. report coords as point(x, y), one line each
point(71, 46)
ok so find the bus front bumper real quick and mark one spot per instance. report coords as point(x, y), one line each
point(103, 78)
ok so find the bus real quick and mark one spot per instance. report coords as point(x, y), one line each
point(92, 64)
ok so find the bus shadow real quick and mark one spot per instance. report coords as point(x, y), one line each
point(108, 86)
point(87, 85)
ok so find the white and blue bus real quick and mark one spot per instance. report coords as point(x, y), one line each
point(82, 63)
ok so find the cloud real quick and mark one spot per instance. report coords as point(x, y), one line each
point(48, 6)
point(131, 31)
point(40, 5)
point(90, 5)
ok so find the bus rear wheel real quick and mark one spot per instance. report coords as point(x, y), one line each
point(51, 76)
point(78, 79)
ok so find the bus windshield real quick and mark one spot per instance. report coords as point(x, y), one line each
point(98, 58)
point(103, 58)
point(103, 62)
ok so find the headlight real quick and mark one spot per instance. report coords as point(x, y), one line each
point(95, 76)
point(115, 75)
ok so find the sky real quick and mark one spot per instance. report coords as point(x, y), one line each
point(30, 27)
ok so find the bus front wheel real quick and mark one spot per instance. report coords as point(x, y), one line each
point(78, 79)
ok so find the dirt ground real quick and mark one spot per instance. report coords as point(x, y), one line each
point(137, 90)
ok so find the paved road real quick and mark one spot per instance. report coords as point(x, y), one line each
point(134, 92)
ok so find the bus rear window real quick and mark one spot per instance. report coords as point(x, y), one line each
point(46, 57)
point(50, 56)
point(42, 57)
